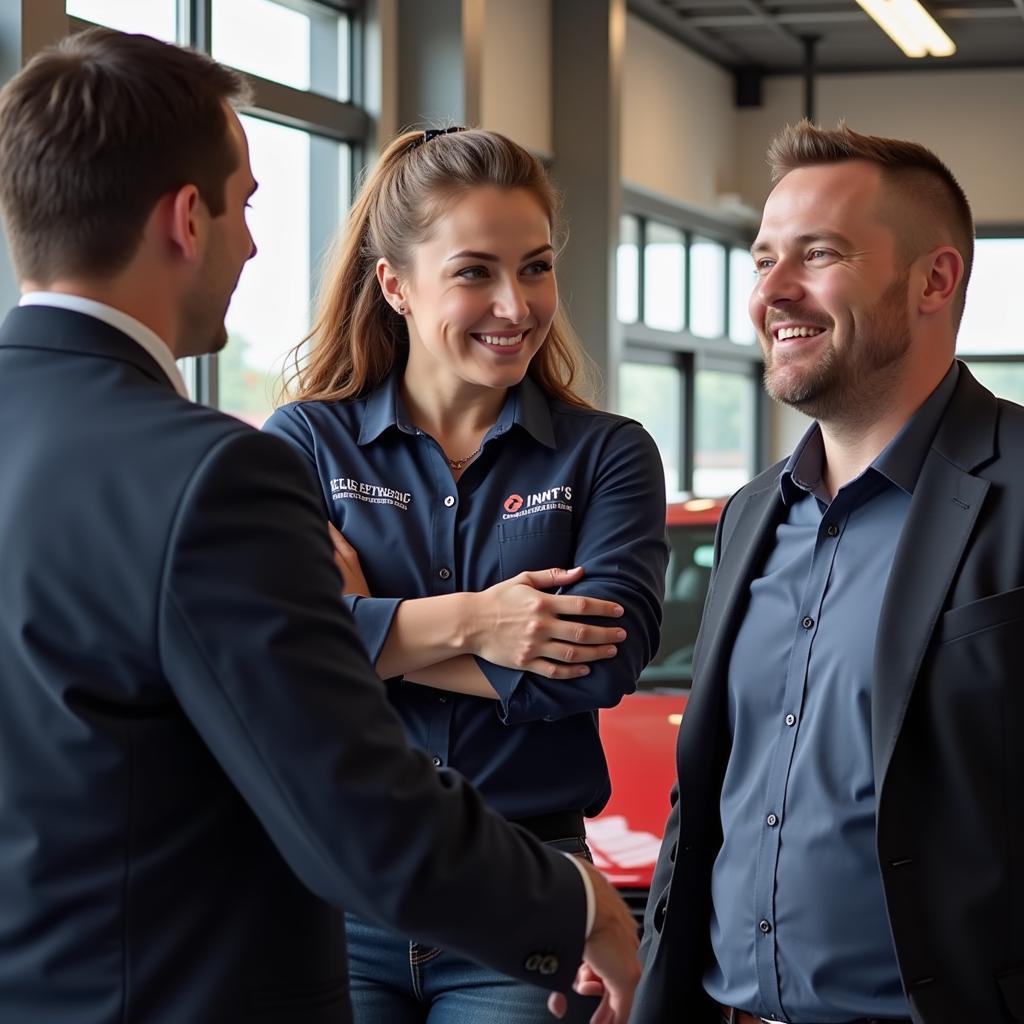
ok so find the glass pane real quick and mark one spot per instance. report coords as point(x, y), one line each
point(652, 395)
point(664, 277)
point(157, 18)
point(725, 423)
point(188, 366)
point(991, 324)
point(691, 553)
point(627, 270)
point(707, 288)
point(305, 51)
point(1004, 379)
point(741, 282)
point(296, 207)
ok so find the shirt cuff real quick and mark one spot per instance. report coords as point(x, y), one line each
point(588, 887)
point(373, 617)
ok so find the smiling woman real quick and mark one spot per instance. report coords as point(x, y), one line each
point(443, 370)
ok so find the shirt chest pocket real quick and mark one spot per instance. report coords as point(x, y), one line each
point(543, 541)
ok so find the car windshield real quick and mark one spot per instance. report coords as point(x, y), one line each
point(686, 585)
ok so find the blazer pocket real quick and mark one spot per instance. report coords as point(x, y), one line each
point(988, 613)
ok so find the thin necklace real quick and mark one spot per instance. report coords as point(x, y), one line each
point(457, 464)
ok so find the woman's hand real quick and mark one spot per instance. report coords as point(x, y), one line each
point(519, 626)
point(346, 558)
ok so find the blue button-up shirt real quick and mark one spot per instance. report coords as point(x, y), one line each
point(799, 927)
point(553, 485)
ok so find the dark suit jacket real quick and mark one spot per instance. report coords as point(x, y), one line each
point(197, 766)
point(947, 733)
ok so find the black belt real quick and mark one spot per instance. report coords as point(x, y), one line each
point(559, 825)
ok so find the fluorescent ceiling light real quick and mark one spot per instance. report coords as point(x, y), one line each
point(910, 27)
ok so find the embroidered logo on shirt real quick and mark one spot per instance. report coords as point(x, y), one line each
point(343, 487)
point(516, 506)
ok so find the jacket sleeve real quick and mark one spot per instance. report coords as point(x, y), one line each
point(622, 548)
point(372, 615)
point(267, 665)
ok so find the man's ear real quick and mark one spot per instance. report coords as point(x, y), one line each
point(185, 226)
point(391, 285)
point(943, 270)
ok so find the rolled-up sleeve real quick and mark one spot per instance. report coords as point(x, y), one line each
point(373, 617)
point(622, 547)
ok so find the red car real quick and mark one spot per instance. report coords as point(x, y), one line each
point(639, 735)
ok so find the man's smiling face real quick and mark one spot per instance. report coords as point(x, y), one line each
point(831, 302)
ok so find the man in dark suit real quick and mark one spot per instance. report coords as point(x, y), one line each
point(846, 841)
point(197, 766)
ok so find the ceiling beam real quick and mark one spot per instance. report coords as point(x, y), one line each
point(758, 9)
point(850, 17)
point(705, 43)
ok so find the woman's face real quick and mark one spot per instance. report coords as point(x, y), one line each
point(481, 290)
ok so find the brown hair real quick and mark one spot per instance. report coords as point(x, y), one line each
point(357, 337)
point(918, 176)
point(93, 132)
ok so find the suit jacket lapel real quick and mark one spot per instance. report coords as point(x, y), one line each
point(942, 514)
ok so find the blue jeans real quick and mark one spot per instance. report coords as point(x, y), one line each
point(394, 981)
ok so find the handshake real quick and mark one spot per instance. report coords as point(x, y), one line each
point(610, 967)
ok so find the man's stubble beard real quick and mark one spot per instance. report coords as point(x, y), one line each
point(854, 384)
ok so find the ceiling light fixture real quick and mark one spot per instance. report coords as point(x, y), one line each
point(910, 27)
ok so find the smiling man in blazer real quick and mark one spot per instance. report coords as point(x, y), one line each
point(198, 768)
point(846, 841)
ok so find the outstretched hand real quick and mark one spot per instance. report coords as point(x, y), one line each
point(610, 968)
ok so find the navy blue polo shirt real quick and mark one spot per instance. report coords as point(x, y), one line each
point(799, 926)
point(553, 485)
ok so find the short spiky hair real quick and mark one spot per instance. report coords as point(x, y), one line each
point(917, 175)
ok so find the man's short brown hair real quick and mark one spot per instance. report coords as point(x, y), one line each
point(920, 181)
point(92, 133)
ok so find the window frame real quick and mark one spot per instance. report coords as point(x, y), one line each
point(343, 121)
point(687, 352)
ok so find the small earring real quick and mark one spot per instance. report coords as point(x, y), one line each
point(401, 310)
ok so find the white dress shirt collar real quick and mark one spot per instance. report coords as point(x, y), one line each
point(138, 332)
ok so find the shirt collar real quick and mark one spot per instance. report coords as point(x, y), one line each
point(119, 320)
point(899, 462)
point(526, 406)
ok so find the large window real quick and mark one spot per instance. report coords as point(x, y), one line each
point(303, 132)
point(158, 18)
point(652, 394)
point(691, 373)
point(991, 337)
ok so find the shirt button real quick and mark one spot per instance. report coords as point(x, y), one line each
point(449, 501)
point(833, 530)
point(790, 719)
point(437, 761)
point(765, 927)
point(445, 574)
point(807, 622)
point(442, 699)
point(772, 820)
